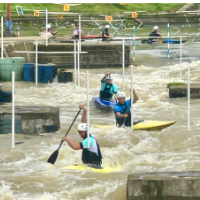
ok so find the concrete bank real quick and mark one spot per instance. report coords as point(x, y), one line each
point(164, 186)
point(35, 119)
point(98, 54)
point(177, 91)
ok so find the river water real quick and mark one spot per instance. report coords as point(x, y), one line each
point(25, 173)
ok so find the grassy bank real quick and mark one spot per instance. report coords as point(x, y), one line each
point(103, 8)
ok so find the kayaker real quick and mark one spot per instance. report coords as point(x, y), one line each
point(155, 34)
point(105, 34)
point(122, 109)
point(90, 156)
point(107, 88)
point(49, 30)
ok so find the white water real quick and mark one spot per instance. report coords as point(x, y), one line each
point(25, 174)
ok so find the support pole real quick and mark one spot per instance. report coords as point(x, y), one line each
point(88, 110)
point(78, 63)
point(13, 109)
point(188, 89)
point(187, 20)
point(168, 38)
point(180, 56)
point(8, 11)
point(46, 27)
point(36, 62)
point(1, 37)
point(134, 43)
point(132, 98)
point(123, 67)
point(75, 62)
point(178, 30)
point(79, 17)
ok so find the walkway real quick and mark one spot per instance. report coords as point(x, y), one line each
point(185, 7)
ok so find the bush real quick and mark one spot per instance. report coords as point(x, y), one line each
point(170, 84)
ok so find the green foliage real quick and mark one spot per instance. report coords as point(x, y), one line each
point(171, 84)
point(103, 8)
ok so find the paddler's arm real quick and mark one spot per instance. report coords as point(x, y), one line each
point(135, 96)
point(104, 78)
point(84, 117)
point(73, 145)
point(119, 115)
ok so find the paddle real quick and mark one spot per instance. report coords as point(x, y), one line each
point(54, 155)
point(61, 26)
point(123, 125)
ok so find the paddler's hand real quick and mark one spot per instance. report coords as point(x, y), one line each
point(108, 73)
point(82, 107)
point(64, 139)
point(125, 115)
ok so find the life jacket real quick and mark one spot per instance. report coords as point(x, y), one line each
point(92, 158)
point(105, 94)
point(105, 31)
point(126, 121)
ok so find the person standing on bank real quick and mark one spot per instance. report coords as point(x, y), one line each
point(92, 155)
point(107, 88)
point(76, 32)
point(122, 109)
point(105, 34)
point(155, 34)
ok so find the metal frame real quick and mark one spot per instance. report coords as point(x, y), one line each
point(18, 13)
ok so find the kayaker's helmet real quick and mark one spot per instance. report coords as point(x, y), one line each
point(108, 77)
point(107, 26)
point(155, 28)
point(82, 127)
point(120, 95)
point(48, 26)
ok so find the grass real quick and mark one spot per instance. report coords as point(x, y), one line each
point(95, 8)
point(172, 84)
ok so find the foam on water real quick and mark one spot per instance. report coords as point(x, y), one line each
point(28, 176)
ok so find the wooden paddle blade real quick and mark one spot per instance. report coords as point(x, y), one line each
point(53, 157)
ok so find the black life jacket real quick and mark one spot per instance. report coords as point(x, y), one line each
point(154, 33)
point(92, 158)
point(105, 31)
point(105, 94)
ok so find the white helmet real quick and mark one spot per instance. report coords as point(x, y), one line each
point(108, 77)
point(82, 127)
point(155, 27)
point(120, 95)
point(48, 26)
point(107, 26)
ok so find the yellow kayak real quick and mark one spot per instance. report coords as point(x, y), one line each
point(82, 167)
point(149, 125)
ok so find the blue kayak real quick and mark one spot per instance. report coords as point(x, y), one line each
point(102, 104)
point(164, 41)
point(173, 41)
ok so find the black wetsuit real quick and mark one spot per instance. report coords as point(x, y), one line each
point(105, 31)
point(152, 34)
point(90, 158)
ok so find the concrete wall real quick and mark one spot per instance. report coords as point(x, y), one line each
point(164, 186)
point(178, 91)
point(98, 54)
point(19, 46)
point(34, 117)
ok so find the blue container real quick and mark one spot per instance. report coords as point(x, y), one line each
point(5, 96)
point(45, 73)
point(28, 72)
